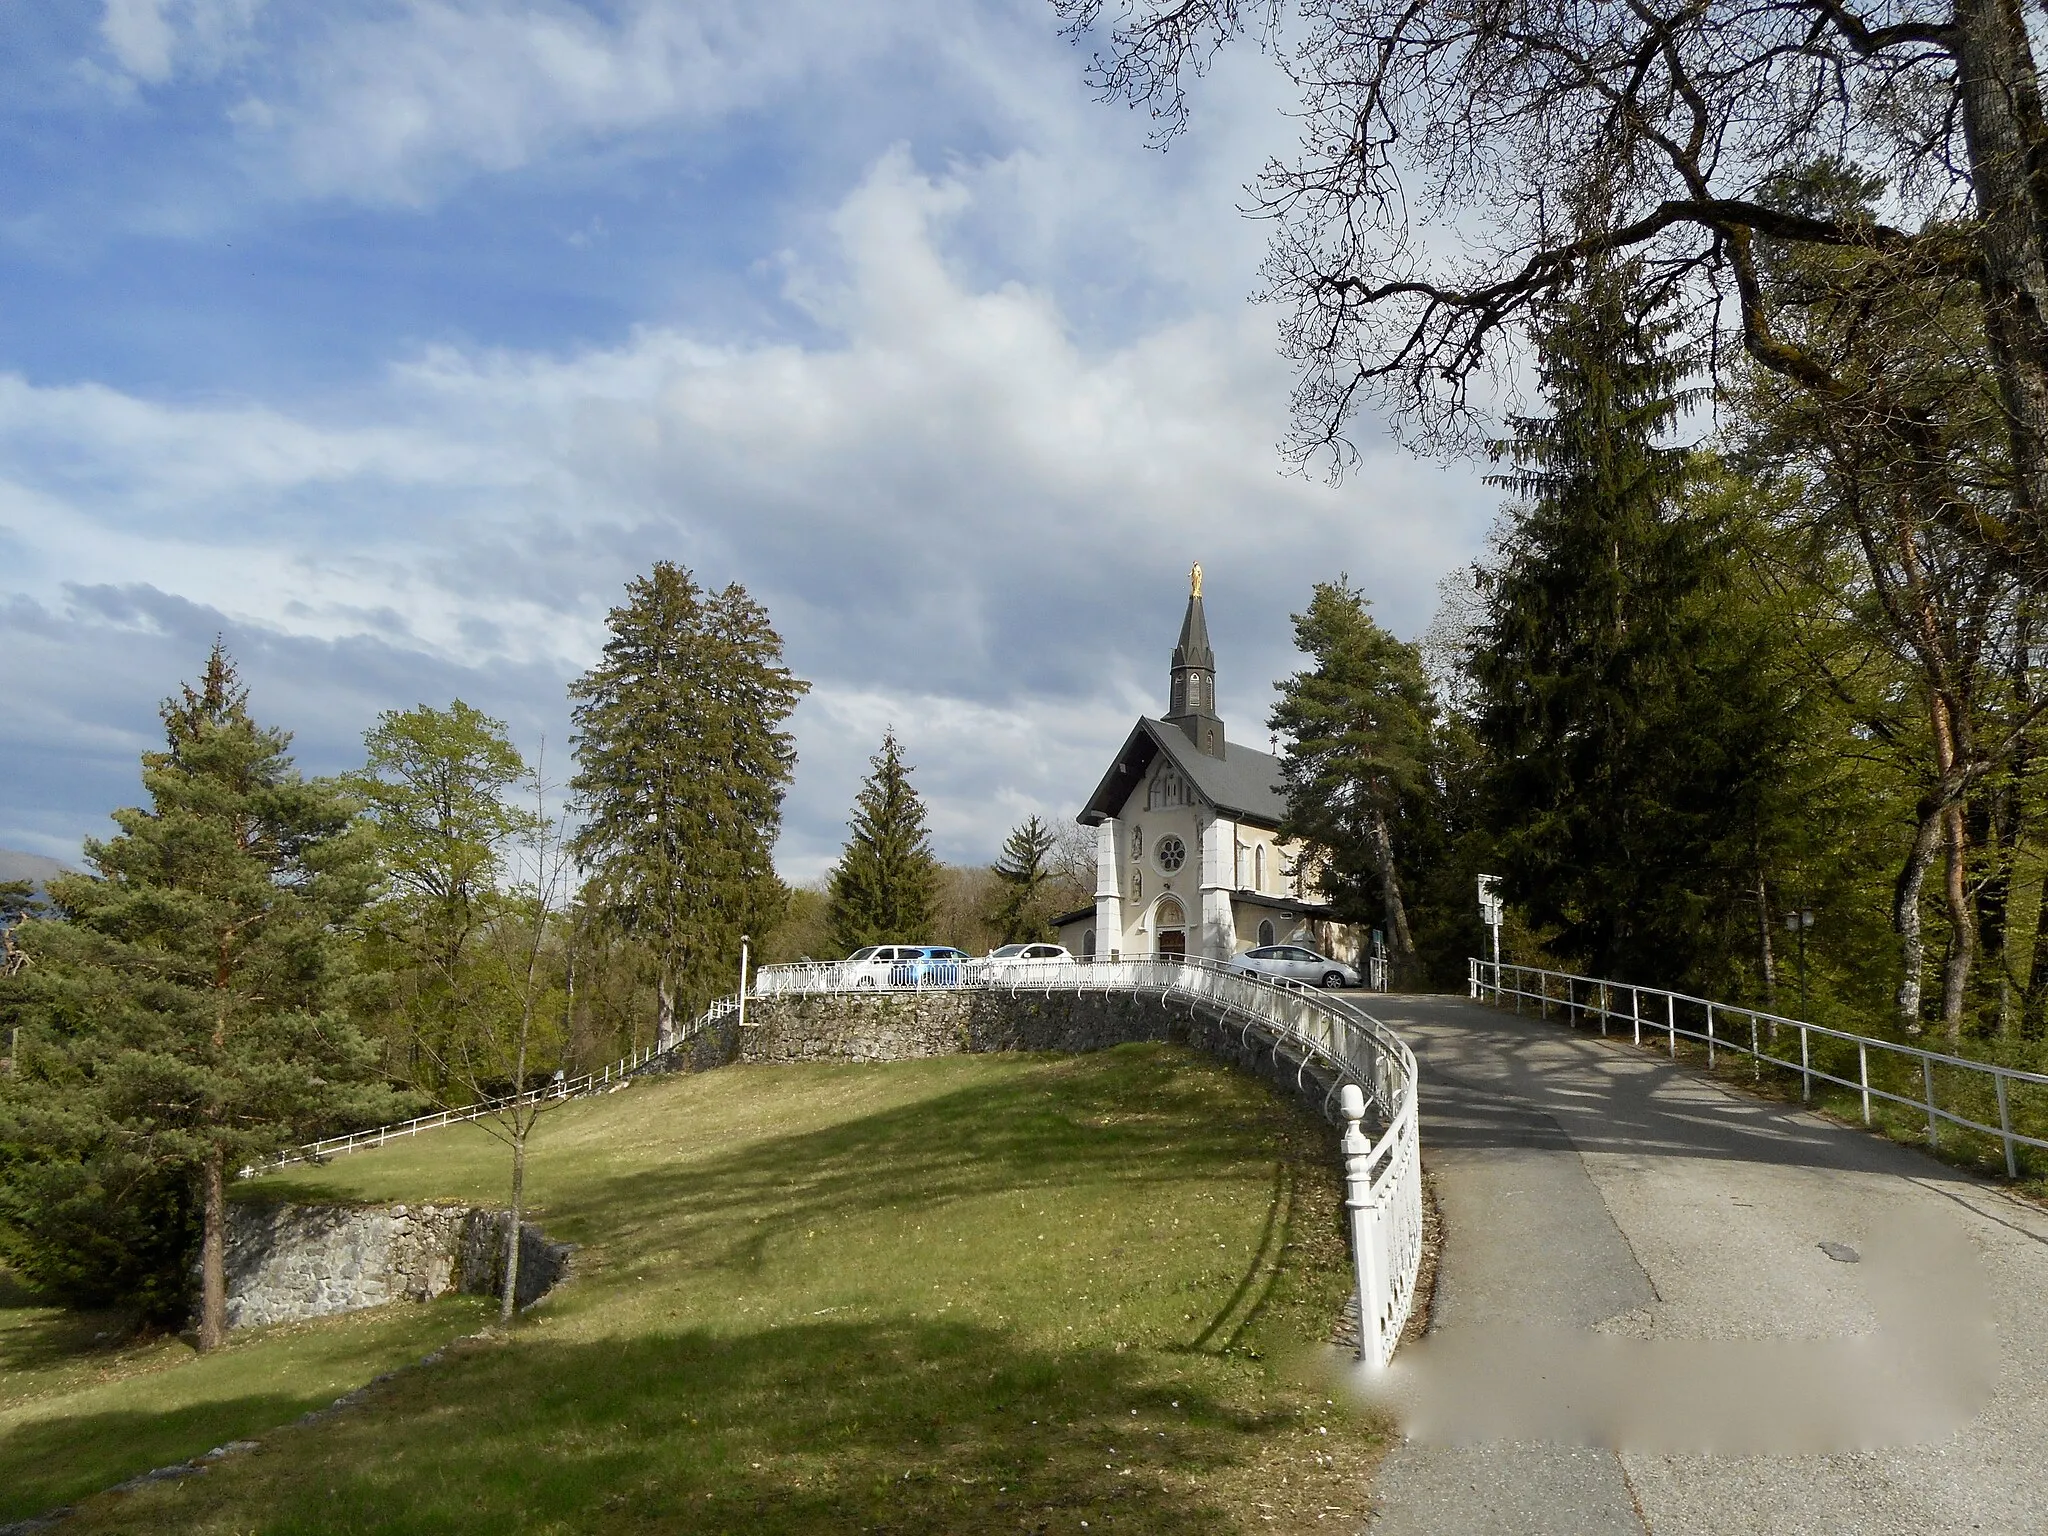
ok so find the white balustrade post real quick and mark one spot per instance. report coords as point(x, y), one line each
point(1358, 1201)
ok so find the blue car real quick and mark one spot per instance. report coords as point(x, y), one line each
point(927, 965)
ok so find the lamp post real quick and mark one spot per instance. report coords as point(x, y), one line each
point(743, 981)
point(1799, 922)
point(1490, 910)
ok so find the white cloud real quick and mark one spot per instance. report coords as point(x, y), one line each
point(155, 39)
point(965, 519)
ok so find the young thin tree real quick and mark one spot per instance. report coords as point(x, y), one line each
point(1358, 727)
point(1019, 913)
point(511, 1031)
point(885, 885)
point(187, 1016)
point(682, 768)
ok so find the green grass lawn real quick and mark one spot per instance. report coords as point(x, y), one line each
point(974, 1293)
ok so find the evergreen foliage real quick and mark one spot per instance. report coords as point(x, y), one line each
point(1360, 732)
point(188, 1014)
point(1626, 707)
point(682, 765)
point(1019, 914)
point(885, 886)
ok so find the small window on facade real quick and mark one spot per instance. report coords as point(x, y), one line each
point(1265, 933)
point(1088, 944)
point(1171, 853)
point(1259, 867)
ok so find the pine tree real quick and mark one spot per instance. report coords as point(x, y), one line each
point(1019, 914)
point(885, 886)
point(682, 769)
point(1359, 732)
point(188, 1014)
point(1623, 702)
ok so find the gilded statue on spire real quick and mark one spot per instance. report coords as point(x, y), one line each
point(1195, 580)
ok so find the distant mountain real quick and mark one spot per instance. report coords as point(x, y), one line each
point(16, 865)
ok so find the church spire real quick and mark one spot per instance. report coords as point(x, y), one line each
point(1193, 706)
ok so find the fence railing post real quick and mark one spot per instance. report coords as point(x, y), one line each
point(1927, 1077)
point(2012, 1162)
point(1805, 1067)
point(1671, 1023)
point(1358, 1201)
point(1710, 1037)
point(1635, 1010)
point(1863, 1076)
point(1756, 1066)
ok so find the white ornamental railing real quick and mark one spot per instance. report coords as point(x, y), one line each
point(1883, 1067)
point(600, 1081)
point(1364, 1068)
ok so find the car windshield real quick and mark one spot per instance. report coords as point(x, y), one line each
point(863, 954)
point(1007, 952)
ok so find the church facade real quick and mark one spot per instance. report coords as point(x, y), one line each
point(1188, 854)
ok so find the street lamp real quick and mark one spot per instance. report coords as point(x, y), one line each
point(1490, 910)
point(743, 981)
point(1798, 922)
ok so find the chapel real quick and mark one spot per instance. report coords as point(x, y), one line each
point(1188, 854)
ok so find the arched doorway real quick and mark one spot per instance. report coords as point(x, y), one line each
point(1265, 932)
point(1169, 928)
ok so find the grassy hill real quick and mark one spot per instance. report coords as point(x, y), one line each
point(975, 1293)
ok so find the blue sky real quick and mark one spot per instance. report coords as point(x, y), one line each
point(389, 340)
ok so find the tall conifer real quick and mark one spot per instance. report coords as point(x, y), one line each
point(886, 883)
point(187, 1016)
point(682, 765)
point(1621, 698)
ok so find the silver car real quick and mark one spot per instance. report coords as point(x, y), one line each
point(1297, 962)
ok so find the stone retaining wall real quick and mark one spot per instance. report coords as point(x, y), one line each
point(286, 1262)
point(899, 1026)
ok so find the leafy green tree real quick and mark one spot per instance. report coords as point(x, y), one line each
point(434, 789)
point(1019, 913)
point(1359, 728)
point(885, 885)
point(189, 1014)
point(1623, 702)
point(682, 769)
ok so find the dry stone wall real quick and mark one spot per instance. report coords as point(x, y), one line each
point(286, 1262)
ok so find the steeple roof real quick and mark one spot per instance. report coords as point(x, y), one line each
point(1192, 650)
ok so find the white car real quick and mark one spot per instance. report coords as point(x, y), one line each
point(1297, 962)
point(902, 965)
point(1016, 962)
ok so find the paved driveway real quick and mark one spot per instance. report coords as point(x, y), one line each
point(1638, 1329)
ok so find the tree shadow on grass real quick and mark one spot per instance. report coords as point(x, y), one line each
point(897, 1426)
point(1134, 1116)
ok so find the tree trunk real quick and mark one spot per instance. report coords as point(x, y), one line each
point(665, 1013)
point(508, 1303)
point(1763, 935)
point(213, 1256)
point(1399, 941)
point(1906, 916)
point(1962, 922)
point(2002, 125)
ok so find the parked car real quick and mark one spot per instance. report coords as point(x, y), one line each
point(1297, 962)
point(902, 965)
point(1012, 963)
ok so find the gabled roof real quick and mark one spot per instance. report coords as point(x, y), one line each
point(1243, 784)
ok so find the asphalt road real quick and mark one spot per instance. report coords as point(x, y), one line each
point(1637, 1329)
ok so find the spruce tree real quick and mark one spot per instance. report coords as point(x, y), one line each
point(1359, 727)
point(187, 1014)
point(885, 886)
point(682, 765)
point(1019, 914)
point(1623, 702)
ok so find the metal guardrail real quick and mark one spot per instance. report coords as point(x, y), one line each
point(1362, 1064)
point(599, 1081)
point(1579, 996)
